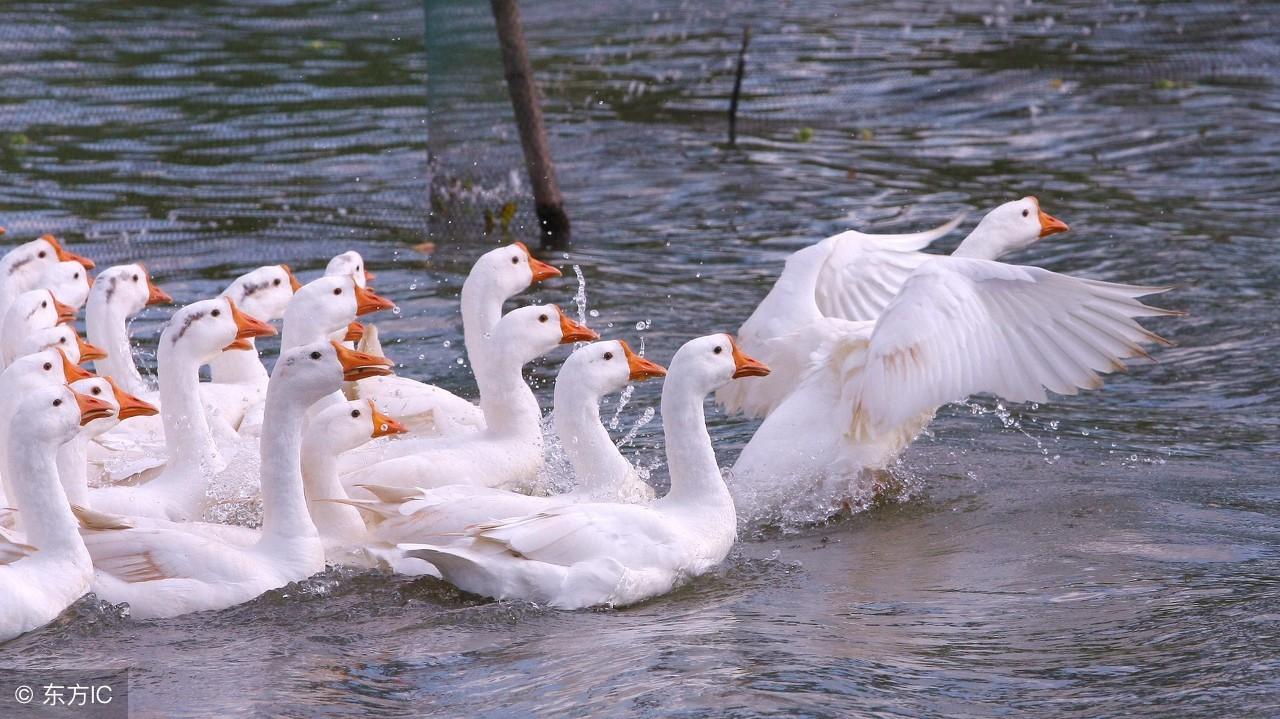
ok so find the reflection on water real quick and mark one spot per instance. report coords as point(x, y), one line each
point(1112, 553)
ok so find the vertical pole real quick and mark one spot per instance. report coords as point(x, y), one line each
point(549, 204)
point(737, 86)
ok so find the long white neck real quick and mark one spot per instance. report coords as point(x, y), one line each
point(38, 494)
point(239, 367)
point(983, 243)
point(187, 437)
point(73, 469)
point(107, 327)
point(597, 463)
point(320, 481)
point(510, 408)
point(481, 310)
point(695, 476)
point(284, 505)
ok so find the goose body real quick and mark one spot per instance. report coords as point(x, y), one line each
point(958, 327)
point(592, 553)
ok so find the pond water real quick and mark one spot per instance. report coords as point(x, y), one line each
point(1112, 553)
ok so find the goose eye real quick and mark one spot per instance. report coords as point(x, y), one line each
point(135, 278)
point(41, 255)
point(315, 355)
point(608, 355)
point(515, 260)
point(216, 313)
point(57, 403)
point(276, 282)
point(338, 291)
point(97, 390)
point(76, 276)
point(542, 318)
point(718, 349)
point(62, 340)
point(1026, 212)
point(48, 366)
point(43, 305)
point(355, 413)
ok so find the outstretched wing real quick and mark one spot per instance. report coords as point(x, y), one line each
point(965, 326)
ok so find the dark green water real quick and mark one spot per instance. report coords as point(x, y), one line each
point(1103, 555)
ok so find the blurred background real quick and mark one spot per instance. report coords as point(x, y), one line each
point(1111, 553)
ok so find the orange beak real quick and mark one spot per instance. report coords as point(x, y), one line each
point(369, 301)
point(66, 255)
point(131, 406)
point(1049, 225)
point(294, 284)
point(368, 277)
point(383, 425)
point(92, 408)
point(571, 331)
point(358, 365)
point(641, 368)
point(155, 295)
point(355, 332)
point(541, 270)
point(744, 366)
point(66, 313)
point(246, 327)
point(2, 230)
point(71, 371)
point(89, 352)
point(88, 279)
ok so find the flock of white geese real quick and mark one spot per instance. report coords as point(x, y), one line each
point(862, 338)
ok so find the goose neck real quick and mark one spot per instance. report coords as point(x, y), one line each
point(695, 476)
point(107, 327)
point(284, 504)
point(481, 309)
point(40, 499)
point(187, 436)
point(73, 469)
point(320, 482)
point(597, 463)
point(509, 406)
point(983, 243)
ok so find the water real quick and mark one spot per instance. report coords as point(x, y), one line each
point(1107, 554)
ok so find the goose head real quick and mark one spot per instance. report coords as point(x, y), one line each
point(527, 333)
point(28, 261)
point(316, 369)
point(124, 404)
point(47, 367)
point(347, 425)
point(126, 288)
point(1011, 227)
point(264, 292)
point(711, 361)
point(51, 416)
point(327, 305)
point(69, 281)
point(511, 269)
point(603, 368)
point(203, 329)
point(65, 338)
point(349, 263)
point(38, 309)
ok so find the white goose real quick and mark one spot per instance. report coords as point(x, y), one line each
point(602, 474)
point(587, 554)
point(119, 293)
point(262, 293)
point(853, 276)
point(166, 571)
point(194, 335)
point(22, 267)
point(496, 277)
point(508, 452)
point(28, 313)
point(69, 281)
point(51, 569)
point(349, 263)
point(958, 327)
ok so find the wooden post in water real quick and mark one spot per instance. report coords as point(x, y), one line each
point(553, 223)
point(737, 86)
